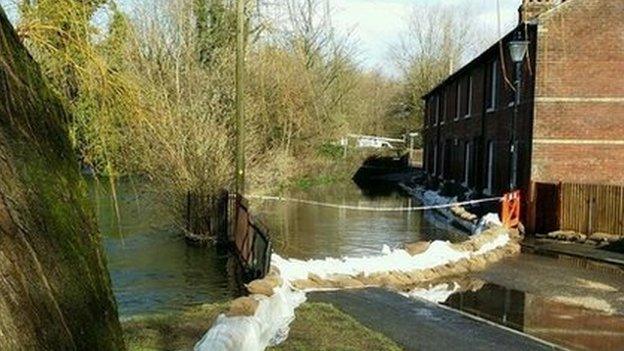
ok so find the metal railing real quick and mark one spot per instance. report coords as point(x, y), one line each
point(250, 239)
point(207, 216)
point(227, 220)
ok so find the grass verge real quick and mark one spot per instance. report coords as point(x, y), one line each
point(318, 327)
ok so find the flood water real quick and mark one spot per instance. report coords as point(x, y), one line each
point(576, 323)
point(306, 231)
point(153, 270)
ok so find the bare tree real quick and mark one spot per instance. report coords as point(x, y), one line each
point(438, 39)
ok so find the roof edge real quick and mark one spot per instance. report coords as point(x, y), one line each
point(478, 58)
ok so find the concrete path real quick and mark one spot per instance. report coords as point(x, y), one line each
point(422, 325)
point(554, 248)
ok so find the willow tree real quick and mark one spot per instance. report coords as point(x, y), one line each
point(55, 290)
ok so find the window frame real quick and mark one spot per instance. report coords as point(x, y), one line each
point(436, 115)
point(435, 159)
point(443, 102)
point(491, 168)
point(467, 162)
point(469, 91)
point(458, 99)
point(493, 77)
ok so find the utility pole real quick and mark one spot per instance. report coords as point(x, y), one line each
point(240, 99)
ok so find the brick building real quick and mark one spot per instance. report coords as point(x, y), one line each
point(570, 125)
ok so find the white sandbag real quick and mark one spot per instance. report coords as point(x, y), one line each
point(439, 253)
point(269, 326)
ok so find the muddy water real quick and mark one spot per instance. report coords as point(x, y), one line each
point(554, 299)
point(154, 271)
point(307, 231)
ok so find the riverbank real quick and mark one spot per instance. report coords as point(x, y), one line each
point(180, 331)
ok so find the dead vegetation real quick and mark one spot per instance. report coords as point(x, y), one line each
point(152, 91)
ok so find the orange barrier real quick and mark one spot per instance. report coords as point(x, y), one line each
point(511, 210)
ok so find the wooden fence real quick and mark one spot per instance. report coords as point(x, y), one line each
point(584, 208)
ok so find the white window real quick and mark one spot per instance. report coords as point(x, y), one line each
point(435, 159)
point(493, 86)
point(490, 167)
point(469, 98)
point(458, 102)
point(437, 110)
point(443, 160)
point(467, 162)
point(443, 113)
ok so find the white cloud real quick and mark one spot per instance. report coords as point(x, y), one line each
point(378, 24)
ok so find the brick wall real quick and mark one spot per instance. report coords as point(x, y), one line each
point(482, 125)
point(579, 105)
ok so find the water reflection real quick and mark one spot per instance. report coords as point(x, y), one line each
point(152, 268)
point(307, 231)
point(572, 325)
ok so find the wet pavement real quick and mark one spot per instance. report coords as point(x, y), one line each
point(572, 322)
point(612, 255)
point(420, 325)
point(553, 299)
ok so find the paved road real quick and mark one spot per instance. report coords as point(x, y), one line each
point(422, 325)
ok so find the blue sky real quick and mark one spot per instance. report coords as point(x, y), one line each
point(377, 24)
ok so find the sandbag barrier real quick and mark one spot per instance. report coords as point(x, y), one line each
point(262, 319)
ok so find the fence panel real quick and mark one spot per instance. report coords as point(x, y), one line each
point(231, 223)
point(592, 208)
point(207, 217)
point(251, 241)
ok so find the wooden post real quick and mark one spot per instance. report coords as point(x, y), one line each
point(240, 99)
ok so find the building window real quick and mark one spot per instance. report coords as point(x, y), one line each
point(437, 110)
point(458, 101)
point(443, 159)
point(492, 95)
point(467, 162)
point(490, 168)
point(435, 159)
point(443, 113)
point(468, 107)
point(430, 111)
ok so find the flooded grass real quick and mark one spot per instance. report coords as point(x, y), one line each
point(180, 331)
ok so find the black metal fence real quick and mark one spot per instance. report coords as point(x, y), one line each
point(207, 217)
point(227, 220)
